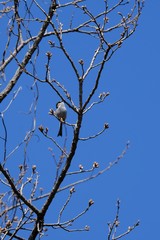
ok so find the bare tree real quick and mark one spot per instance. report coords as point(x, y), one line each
point(56, 48)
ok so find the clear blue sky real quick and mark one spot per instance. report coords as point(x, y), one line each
point(133, 113)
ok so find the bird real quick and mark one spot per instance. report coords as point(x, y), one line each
point(61, 114)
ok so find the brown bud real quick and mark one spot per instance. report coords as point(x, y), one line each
point(34, 168)
point(117, 222)
point(41, 128)
point(137, 224)
point(87, 228)
point(29, 179)
point(2, 230)
point(51, 112)
point(20, 167)
point(68, 96)
point(8, 224)
point(81, 167)
point(49, 54)
point(106, 125)
point(52, 44)
point(72, 190)
point(95, 165)
point(103, 95)
point(106, 19)
point(15, 219)
point(81, 61)
point(91, 202)
point(129, 228)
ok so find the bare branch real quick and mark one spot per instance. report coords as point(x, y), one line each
point(29, 54)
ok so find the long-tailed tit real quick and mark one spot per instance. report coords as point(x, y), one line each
point(61, 114)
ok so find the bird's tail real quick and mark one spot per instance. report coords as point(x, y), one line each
point(60, 130)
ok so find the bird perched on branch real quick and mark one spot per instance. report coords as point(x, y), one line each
point(61, 114)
